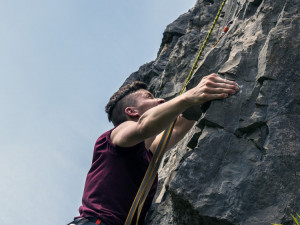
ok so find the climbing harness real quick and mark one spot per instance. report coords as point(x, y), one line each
point(151, 172)
point(223, 33)
point(83, 220)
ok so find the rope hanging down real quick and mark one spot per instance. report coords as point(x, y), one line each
point(162, 146)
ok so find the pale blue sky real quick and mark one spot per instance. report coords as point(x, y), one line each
point(60, 61)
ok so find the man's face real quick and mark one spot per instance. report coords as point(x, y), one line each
point(145, 100)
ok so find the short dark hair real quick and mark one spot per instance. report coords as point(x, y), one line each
point(115, 108)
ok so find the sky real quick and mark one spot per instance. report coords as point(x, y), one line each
point(60, 61)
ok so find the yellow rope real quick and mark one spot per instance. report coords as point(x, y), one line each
point(203, 47)
point(158, 154)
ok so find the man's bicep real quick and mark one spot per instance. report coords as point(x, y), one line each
point(172, 141)
point(155, 143)
point(181, 128)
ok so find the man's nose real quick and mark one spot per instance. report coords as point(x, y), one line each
point(160, 100)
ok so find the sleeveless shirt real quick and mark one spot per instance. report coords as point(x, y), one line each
point(113, 181)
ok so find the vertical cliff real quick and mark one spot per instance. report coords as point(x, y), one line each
point(240, 164)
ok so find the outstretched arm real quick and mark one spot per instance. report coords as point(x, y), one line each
point(156, 119)
point(211, 87)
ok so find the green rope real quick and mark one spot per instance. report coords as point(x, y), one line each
point(203, 47)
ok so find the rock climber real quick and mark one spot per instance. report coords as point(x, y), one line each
point(121, 155)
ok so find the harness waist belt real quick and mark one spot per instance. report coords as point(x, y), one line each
point(89, 219)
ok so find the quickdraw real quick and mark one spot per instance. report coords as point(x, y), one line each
point(223, 33)
point(151, 172)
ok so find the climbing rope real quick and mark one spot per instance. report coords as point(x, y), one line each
point(151, 172)
point(203, 46)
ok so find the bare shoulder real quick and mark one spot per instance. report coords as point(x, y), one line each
point(119, 130)
point(126, 134)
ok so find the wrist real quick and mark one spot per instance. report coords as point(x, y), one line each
point(188, 100)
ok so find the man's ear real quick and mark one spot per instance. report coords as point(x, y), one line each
point(131, 112)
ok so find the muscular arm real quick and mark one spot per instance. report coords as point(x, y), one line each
point(182, 127)
point(156, 119)
point(151, 123)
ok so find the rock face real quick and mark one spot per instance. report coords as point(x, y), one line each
point(240, 164)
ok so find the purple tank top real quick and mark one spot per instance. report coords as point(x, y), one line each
point(113, 181)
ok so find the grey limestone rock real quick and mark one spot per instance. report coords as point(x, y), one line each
point(240, 164)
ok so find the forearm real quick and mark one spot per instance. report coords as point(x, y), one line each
point(155, 120)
